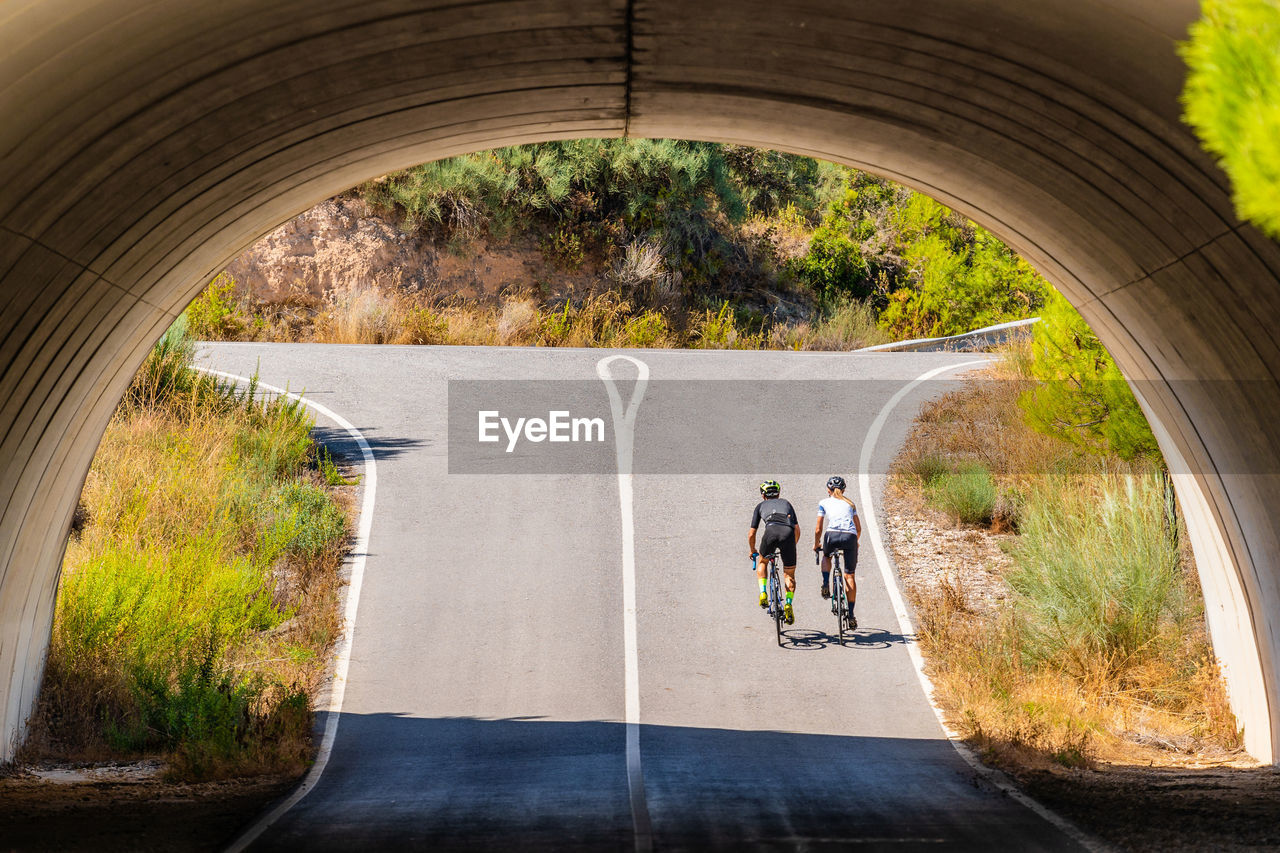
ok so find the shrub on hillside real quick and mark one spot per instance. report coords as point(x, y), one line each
point(424, 326)
point(725, 328)
point(850, 253)
point(931, 271)
point(214, 315)
point(594, 197)
point(647, 330)
point(958, 277)
point(844, 324)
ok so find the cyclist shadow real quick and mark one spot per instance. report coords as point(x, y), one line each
point(808, 639)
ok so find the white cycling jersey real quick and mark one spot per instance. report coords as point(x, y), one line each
point(838, 516)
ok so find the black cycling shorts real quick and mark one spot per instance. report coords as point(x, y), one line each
point(781, 538)
point(844, 542)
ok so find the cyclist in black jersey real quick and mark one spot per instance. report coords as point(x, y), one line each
point(781, 532)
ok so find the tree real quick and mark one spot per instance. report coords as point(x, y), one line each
point(1082, 396)
point(1232, 99)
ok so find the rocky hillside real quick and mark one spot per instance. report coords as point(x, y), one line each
point(344, 246)
point(692, 242)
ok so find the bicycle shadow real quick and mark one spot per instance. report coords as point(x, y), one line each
point(810, 639)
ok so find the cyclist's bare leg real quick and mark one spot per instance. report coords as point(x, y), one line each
point(762, 574)
point(850, 588)
point(789, 578)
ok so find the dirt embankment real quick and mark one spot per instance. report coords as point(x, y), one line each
point(344, 245)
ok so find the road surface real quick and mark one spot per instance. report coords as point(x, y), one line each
point(487, 699)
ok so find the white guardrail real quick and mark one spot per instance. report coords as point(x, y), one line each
point(978, 340)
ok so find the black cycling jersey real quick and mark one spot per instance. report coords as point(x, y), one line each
point(774, 511)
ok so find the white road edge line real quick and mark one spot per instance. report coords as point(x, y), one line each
point(342, 658)
point(624, 422)
point(907, 629)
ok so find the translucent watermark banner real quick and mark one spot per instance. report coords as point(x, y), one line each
point(796, 426)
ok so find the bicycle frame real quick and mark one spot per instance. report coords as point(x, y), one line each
point(839, 599)
point(774, 588)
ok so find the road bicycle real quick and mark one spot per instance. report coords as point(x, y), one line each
point(839, 598)
point(774, 588)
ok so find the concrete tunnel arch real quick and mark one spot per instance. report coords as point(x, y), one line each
point(144, 145)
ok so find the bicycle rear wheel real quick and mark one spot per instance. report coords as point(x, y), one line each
point(838, 595)
point(775, 584)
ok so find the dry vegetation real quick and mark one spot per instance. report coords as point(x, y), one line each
point(606, 319)
point(1079, 636)
point(198, 598)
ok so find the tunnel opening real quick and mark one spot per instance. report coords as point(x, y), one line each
point(899, 232)
point(129, 182)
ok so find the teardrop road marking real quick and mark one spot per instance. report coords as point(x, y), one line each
point(624, 423)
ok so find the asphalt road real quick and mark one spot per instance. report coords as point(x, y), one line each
point(486, 701)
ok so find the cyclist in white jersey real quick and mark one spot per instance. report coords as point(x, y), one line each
point(838, 529)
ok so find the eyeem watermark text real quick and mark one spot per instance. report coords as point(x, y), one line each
point(558, 426)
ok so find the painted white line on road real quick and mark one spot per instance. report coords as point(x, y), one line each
point(624, 423)
point(907, 629)
point(342, 657)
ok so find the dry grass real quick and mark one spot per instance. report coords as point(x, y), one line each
point(198, 601)
point(981, 422)
point(1106, 689)
point(1163, 708)
point(639, 312)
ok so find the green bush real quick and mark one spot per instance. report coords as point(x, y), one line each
point(928, 467)
point(172, 588)
point(329, 469)
point(423, 326)
point(931, 271)
point(301, 519)
point(956, 294)
point(957, 276)
point(150, 604)
point(969, 493)
point(770, 181)
point(277, 441)
point(214, 314)
point(1232, 99)
point(649, 329)
point(1081, 396)
point(594, 196)
point(723, 328)
point(834, 264)
point(849, 254)
point(1097, 574)
point(166, 373)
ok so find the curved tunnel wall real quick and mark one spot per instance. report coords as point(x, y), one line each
point(144, 146)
